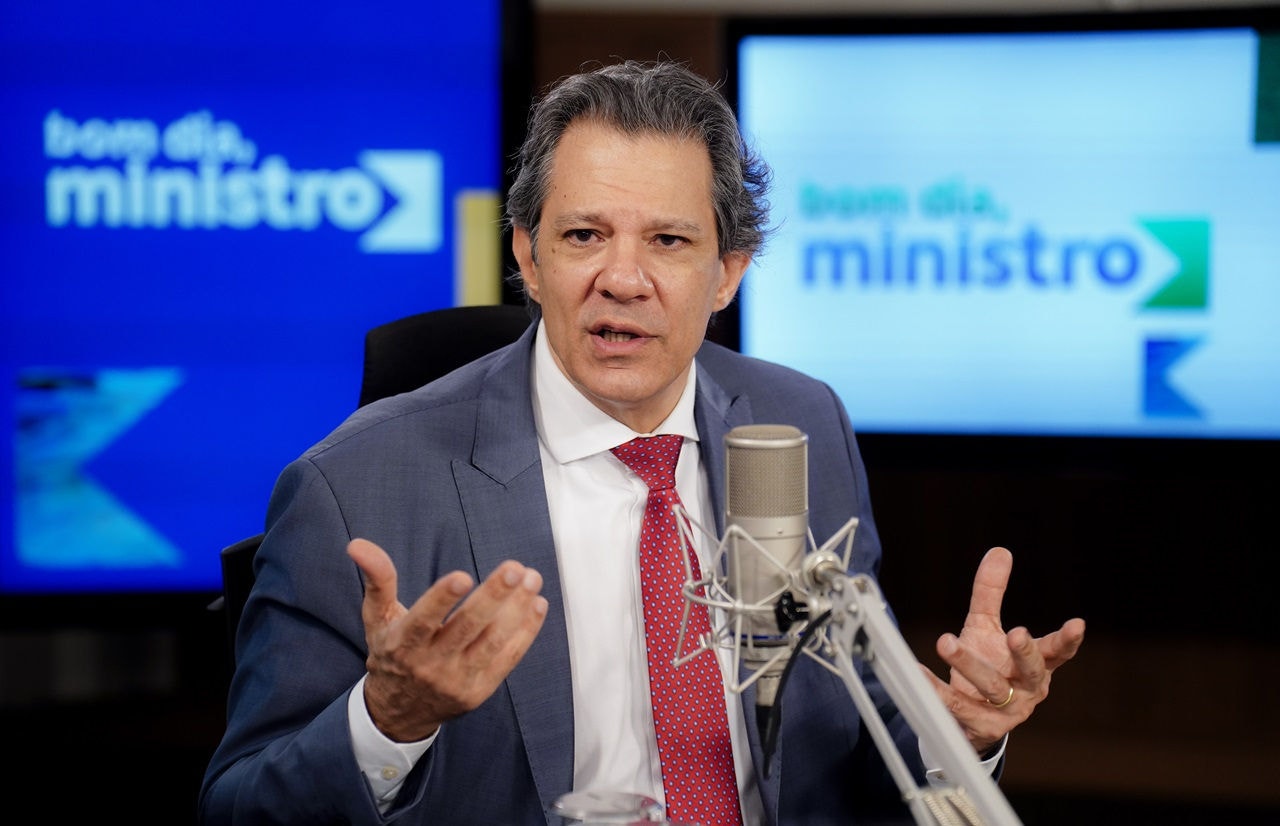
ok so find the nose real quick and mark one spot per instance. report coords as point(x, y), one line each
point(622, 275)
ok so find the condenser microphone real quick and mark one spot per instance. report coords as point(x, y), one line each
point(767, 499)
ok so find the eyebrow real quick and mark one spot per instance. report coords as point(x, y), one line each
point(666, 227)
point(574, 219)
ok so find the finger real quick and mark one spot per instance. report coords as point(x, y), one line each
point(982, 725)
point(496, 636)
point(425, 620)
point(984, 676)
point(1029, 666)
point(1061, 645)
point(458, 630)
point(504, 640)
point(989, 585)
point(960, 705)
point(380, 602)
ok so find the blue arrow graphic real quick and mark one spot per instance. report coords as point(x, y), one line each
point(1159, 398)
point(415, 223)
point(65, 519)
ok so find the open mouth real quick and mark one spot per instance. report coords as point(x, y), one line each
point(616, 335)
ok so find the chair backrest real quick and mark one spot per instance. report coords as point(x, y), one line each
point(399, 356)
point(405, 354)
point(237, 579)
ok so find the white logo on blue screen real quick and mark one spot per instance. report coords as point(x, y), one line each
point(889, 257)
point(198, 173)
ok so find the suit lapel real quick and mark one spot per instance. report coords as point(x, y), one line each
point(716, 413)
point(505, 506)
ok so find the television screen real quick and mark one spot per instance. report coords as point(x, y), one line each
point(205, 206)
point(1044, 226)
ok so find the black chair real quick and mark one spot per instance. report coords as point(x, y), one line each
point(405, 354)
point(237, 579)
point(399, 356)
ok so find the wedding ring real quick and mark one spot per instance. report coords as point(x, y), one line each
point(1006, 702)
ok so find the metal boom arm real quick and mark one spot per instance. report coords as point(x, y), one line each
point(859, 625)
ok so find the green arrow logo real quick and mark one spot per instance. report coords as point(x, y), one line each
point(1188, 288)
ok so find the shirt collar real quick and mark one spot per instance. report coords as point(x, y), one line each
point(571, 427)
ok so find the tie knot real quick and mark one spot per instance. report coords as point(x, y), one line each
point(652, 458)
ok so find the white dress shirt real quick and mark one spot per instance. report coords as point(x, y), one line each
point(597, 506)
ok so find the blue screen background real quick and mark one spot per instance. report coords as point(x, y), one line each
point(1057, 233)
point(156, 377)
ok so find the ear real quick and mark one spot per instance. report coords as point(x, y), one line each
point(733, 266)
point(522, 249)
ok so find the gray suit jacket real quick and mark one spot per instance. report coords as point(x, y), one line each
point(448, 477)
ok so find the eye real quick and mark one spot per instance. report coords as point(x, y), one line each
point(579, 236)
point(670, 241)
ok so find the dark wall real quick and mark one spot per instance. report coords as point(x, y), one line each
point(1163, 547)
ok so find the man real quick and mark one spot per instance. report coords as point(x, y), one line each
point(375, 684)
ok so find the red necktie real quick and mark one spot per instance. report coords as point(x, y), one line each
point(688, 702)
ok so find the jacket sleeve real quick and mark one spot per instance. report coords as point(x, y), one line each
point(286, 756)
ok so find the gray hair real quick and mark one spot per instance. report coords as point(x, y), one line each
point(660, 98)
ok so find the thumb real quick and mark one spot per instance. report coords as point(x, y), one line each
point(380, 602)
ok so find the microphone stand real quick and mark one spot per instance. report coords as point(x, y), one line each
point(848, 619)
point(860, 626)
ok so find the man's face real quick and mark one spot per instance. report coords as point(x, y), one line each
point(628, 270)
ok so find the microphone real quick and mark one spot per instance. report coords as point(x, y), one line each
point(767, 499)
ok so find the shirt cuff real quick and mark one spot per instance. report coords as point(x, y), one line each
point(384, 762)
point(938, 778)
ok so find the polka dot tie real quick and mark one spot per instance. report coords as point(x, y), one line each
point(688, 702)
